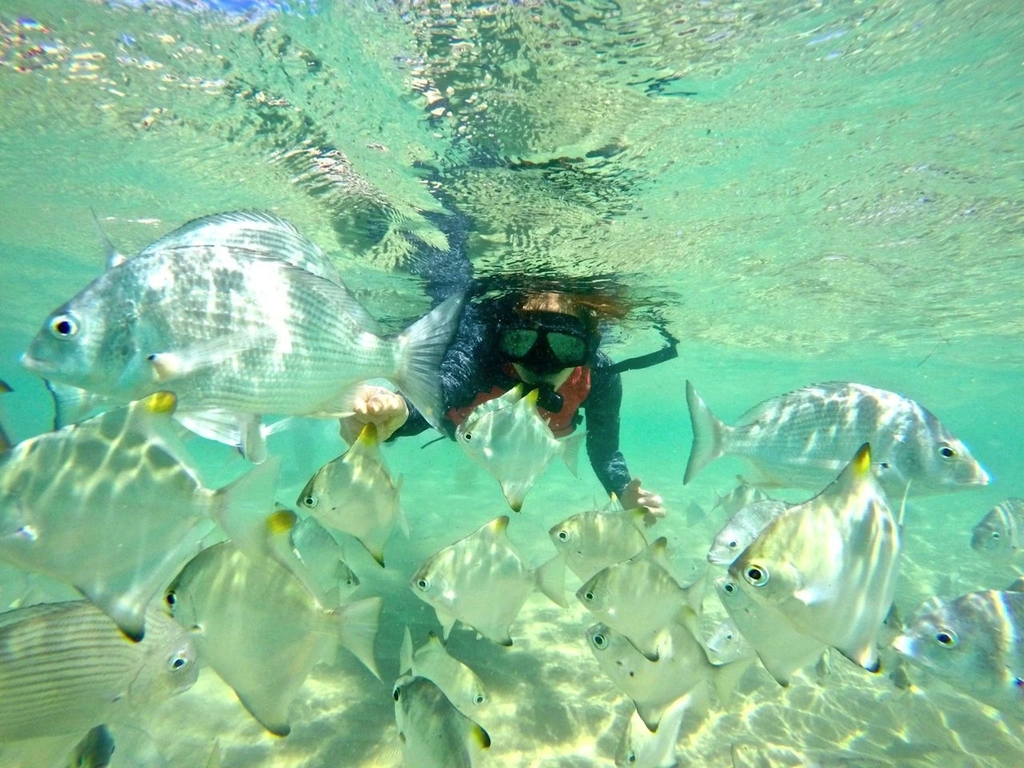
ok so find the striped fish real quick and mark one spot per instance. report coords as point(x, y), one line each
point(804, 439)
point(1001, 531)
point(975, 643)
point(66, 667)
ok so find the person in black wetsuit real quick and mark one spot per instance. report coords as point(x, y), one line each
point(540, 334)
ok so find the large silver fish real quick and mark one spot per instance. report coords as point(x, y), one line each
point(482, 581)
point(640, 597)
point(508, 437)
point(66, 667)
point(975, 643)
point(804, 438)
point(742, 528)
point(1001, 532)
point(781, 649)
point(355, 494)
point(432, 732)
point(591, 541)
point(261, 628)
point(653, 685)
point(829, 565)
point(238, 326)
point(114, 507)
point(460, 684)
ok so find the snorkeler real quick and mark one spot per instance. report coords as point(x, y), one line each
point(538, 334)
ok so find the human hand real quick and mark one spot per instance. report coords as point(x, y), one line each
point(634, 496)
point(385, 409)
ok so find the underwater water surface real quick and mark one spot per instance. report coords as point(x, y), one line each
point(798, 192)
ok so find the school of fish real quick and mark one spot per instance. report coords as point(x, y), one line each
point(235, 324)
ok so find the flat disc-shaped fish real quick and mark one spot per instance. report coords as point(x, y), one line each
point(975, 643)
point(640, 597)
point(261, 629)
point(829, 565)
point(482, 580)
point(432, 732)
point(804, 438)
point(742, 528)
point(66, 667)
point(355, 494)
point(459, 683)
point(639, 748)
point(591, 541)
point(508, 438)
point(113, 507)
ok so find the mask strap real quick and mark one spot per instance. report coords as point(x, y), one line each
point(668, 352)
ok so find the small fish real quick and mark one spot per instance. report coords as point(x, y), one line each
point(738, 498)
point(433, 733)
point(640, 597)
point(591, 541)
point(66, 667)
point(726, 643)
point(639, 748)
point(248, 615)
point(482, 581)
point(5, 441)
point(239, 316)
point(781, 649)
point(322, 556)
point(829, 565)
point(508, 438)
point(804, 438)
point(355, 494)
point(459, 683)
point(114, 507)
point(742, 528)
point(95, 750)
point(1001, 531)
point(682, 665)
point(974, 643)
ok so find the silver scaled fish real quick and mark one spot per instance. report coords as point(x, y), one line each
point(742, 528)
point(974, 643)
point(460, 684)
point(1001, 532)
point(591, 541)
point(482, 581)
point(66, 667)
point(260, 627)
point(114, 507)
point(640, 597)
point(508, 438)
point(238, 326)
point(322, 557)
point(804, 438)
point(432, 732)
point(829, 565)
point(355, 494)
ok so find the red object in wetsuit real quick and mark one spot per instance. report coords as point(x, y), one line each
point(574, 391)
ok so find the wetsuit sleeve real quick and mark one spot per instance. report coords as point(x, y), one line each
point(601, 409)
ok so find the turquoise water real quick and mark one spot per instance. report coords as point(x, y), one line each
point(800, 192)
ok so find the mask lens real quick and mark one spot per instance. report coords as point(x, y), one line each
point(570, 350)
point(517, 343)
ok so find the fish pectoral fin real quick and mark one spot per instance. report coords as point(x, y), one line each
point(811, 596)
point(173, 364)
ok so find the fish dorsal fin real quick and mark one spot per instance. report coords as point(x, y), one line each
point(498, 526)
point(113, 256)
point(658, 553)
point(368, 434)
point(532, 397)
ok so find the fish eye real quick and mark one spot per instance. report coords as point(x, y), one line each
point(756, 575)
point(310, 501)
point(631, 758)
point(397, 693)
point(423, 584)
point(178, 662)
point(171, 599)
point(947, 452)
point(563, 535)
point(64, 326)
point(589, 596)
point(728, 587)
point(733, 544)
point(479, 699)
point(600, 641)
point(946, 637)
point(467, 436)
point(995, 534)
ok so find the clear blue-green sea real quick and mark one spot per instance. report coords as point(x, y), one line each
point(798, 192)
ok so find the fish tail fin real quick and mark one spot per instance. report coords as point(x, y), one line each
point(709, 434)
point(242, 507)
point(551, 580)
point(570, 450)
point(727, 676)
point(695, 593)
point(421, 347)
point(357, 629)
point(405, 654)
